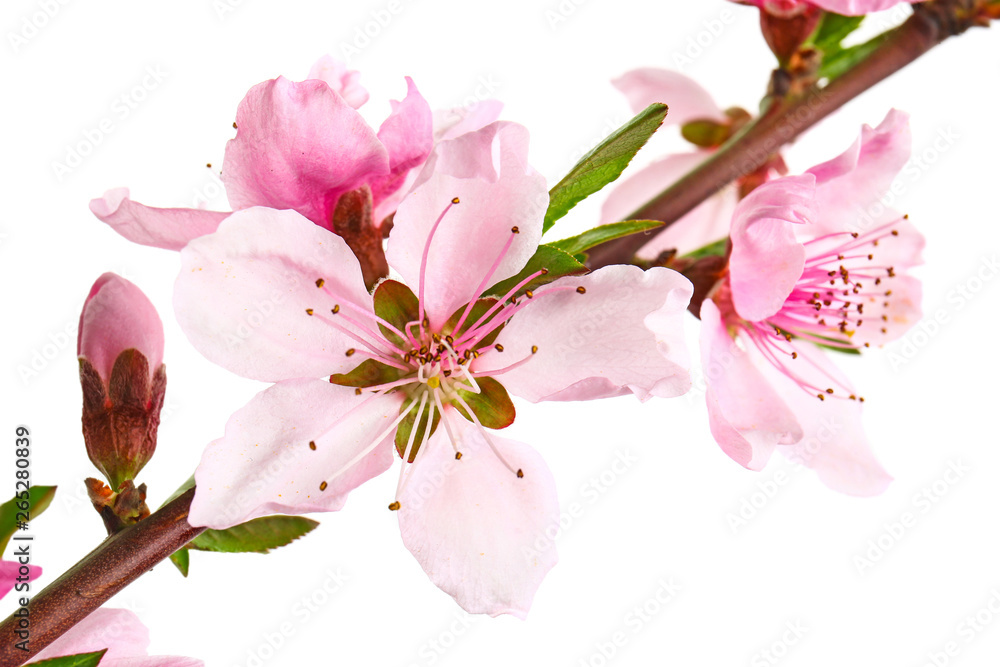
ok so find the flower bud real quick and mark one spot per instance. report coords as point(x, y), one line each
point(120, 348)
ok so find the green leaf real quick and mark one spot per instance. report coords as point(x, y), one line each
point(38, 498)
point(407, 425)
point(842, 60)
point(492, 405)
point(78, 660)
point(396, 304)
point(182, 559)
point(368, 374)
point(716, 249)
point(189, 484)
point(255, 536)
point(555, 261)
point(833, 29)
point(604, 164)
point(578, 244)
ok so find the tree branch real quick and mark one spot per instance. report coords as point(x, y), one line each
point(930, 24)
point(109, 568)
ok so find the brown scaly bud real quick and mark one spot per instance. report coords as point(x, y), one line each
point(353, 220)
point(118, 509)
point(120, 348)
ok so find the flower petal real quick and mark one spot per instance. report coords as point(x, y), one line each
point(242, 294)
point(341, 80)
point(408, 136)
point(9, 572)
point(265, 465)
point(299, 146)
point(858, 7)
point(168, 228)
point(686, 99)
point(477, 530)
point(834, 442)
point(624, 334)
point(746, 415)
point(117, 316)
point(453, 123)
point(766, 259)
point(497, 190)
point(707, 223)
point(118, 630)
point(850, 186)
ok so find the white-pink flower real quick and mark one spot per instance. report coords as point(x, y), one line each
point(786, 8)
point(687, 101)
point(816, 259)
point(301, 146)
point(121, 633)
point(273, 297)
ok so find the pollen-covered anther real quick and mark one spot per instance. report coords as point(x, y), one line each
point(529, 293)
point(309, 311)
point(520, 473)
point(322, 486)
point(358, 392)
point(335, 309)
point(515, 230)
point(498, 347)
point(394, 505)
point(544, 271)
point(350, 352)
point(456, 200)
point(534, 349)
point(829, 390)
point(458, 456)
point(821, 397)
point(581, 290)
point(320, 282)
point(312, 445)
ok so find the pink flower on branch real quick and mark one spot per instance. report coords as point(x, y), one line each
point(790, 8)
point(424, 366)
point(816, 260)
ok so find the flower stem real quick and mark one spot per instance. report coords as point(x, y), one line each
point(117, 562)
point(785, 119)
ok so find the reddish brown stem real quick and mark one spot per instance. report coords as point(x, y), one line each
point(109, 568)
point(784, 120)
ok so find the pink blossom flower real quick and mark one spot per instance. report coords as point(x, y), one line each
point(687, 101)
point(789, 8)
point(816, 259)
point(120, 349)
point(275, 298)
point(301, 146)
point(121, 633)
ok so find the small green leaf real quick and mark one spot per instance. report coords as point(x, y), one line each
point(555, 261)
point(842, 350)
point(78, 660)
point(182, 559)
point(604, 164)
point(833, 29)
point(255, 536)
point(32, 503)
point(598, 235)
point(715, 249)
point(838, 62)
point(368, 374)
point(396, 304)
point(492, 405)
point(406, 426)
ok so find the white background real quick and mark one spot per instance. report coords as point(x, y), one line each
point(669, 514)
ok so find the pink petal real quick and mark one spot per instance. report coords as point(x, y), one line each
point(477, 530)
point(118, 630)
point(341, 80)
point(153, 661)
point(834, 442)
point(242, 294)
point(903, 312)
point(453, 123)
point(463, 254)
point(408, 137)
point(117, 316)
point(299, 146)
point(265, 465)
point(686, 99)
point(169, 228)
point(849, 187)
point(746, 415)
point(10, 571)
point(766, 260)
point(705, 224)
point(857, 7)
point(624, 334)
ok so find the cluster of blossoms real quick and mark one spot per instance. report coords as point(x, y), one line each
point(398, 302)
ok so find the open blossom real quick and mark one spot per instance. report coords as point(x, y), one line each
point(790, 8)
point(303, 146)
point(121, 633)
point(816, 260)
point(424, 366)
point(687, 102)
